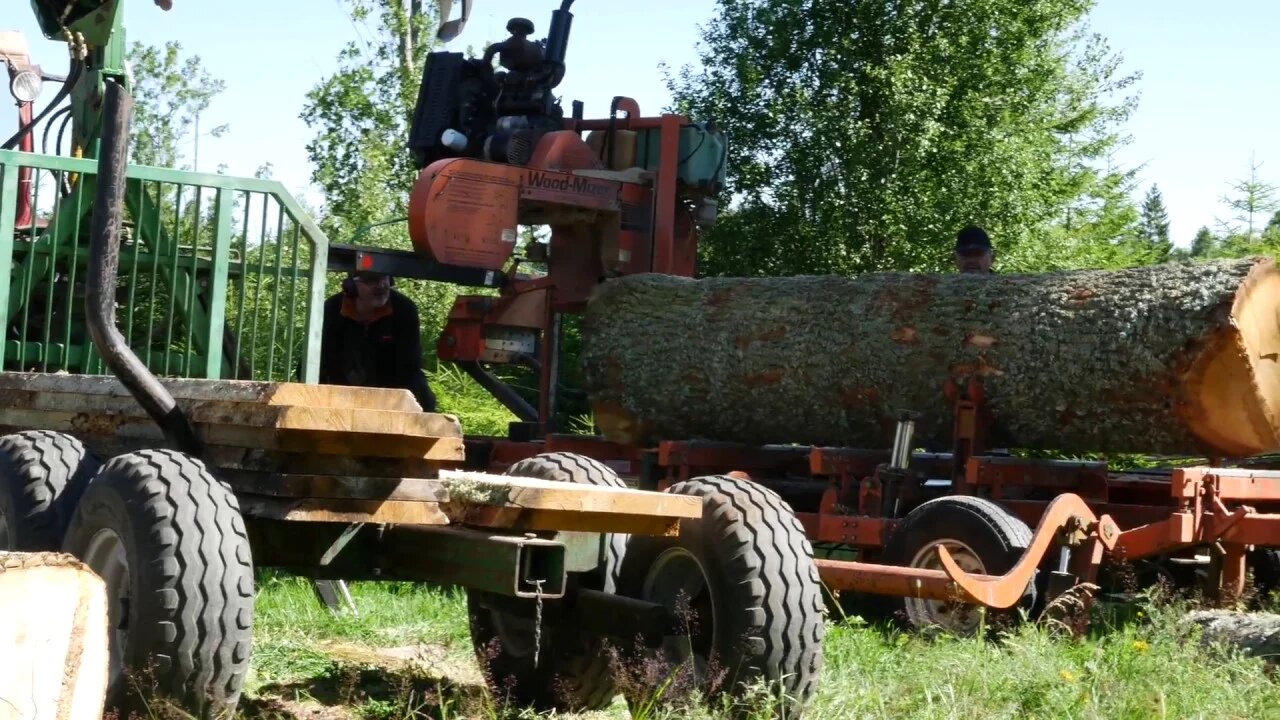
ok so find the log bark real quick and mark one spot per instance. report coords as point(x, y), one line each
point(53, 639)
point(1170, 359)
point(1252, 634)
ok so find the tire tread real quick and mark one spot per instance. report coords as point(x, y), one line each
point(49, 472)
point(762, 536)
point(191, 534)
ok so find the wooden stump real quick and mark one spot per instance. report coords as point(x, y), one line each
point(53, 638)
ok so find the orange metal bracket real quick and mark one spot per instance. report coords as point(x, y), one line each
point(1006, 590)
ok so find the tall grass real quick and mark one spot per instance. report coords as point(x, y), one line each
point(1140, 665)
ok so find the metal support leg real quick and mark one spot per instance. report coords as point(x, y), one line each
point(334, 593)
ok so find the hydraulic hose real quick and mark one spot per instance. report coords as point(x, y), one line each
point(72, 77)
point(104, 263)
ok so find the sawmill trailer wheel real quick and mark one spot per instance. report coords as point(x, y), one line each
point(168, 539)
point(982, 537)
point(743, 588)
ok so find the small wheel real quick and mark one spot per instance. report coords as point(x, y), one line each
point(742, 584)
point(169, 542)
point(42, 475)
point(982, 538)
point(572, 672)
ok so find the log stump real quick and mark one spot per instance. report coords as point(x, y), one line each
point(53, 638)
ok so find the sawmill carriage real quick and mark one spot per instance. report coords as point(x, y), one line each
point(861, 487)
point(162, 419)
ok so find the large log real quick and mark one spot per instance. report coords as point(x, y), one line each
point(1170, 359)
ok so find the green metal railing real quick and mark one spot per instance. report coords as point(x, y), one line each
point(220, 277)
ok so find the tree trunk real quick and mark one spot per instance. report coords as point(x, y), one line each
point(1169, 359)
point(53, 639)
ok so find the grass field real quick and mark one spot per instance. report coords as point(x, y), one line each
point(408, 654)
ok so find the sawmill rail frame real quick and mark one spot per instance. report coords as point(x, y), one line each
point(1203, 525)
point(184, 446)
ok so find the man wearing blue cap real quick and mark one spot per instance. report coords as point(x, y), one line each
point(974, 252)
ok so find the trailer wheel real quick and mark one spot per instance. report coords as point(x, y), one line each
point(982, 537)
point(168, 539)
point(42, 475)
point(742, 585)
point(572, 673)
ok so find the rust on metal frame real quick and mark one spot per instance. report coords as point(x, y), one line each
point(970, 431)
point(1088, 479)
point(1204, 519)
point(858, 530)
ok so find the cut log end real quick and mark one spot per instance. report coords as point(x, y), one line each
point(54, 640)
point(1236, 383)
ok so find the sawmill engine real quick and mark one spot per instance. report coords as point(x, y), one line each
point(466, 108)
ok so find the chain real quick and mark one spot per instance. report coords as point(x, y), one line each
point(537, 620)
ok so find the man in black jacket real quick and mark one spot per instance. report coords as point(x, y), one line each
point(372, 338)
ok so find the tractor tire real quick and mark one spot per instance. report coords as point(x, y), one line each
point(168, 539)
point(42, 475)
point(982, 537)
point(743, 587)
point(572, 673)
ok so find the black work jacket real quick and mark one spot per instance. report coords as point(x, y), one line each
point(385, 352)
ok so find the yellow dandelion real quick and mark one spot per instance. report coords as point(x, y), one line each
point(1141, 646)
point(1068, 675)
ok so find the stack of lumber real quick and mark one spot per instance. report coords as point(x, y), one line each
point(1169, 359)
point(289, 417)
point(323, 453)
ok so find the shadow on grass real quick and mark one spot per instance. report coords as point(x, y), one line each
point(345, 690)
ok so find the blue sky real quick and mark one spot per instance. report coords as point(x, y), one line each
point(1204, 108)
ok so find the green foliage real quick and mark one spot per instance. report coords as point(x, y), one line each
point(1251, 199)
point(864, 135)
point(170, 93)
point(361, 116)
point(1205, 243)
point(1154, 228)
